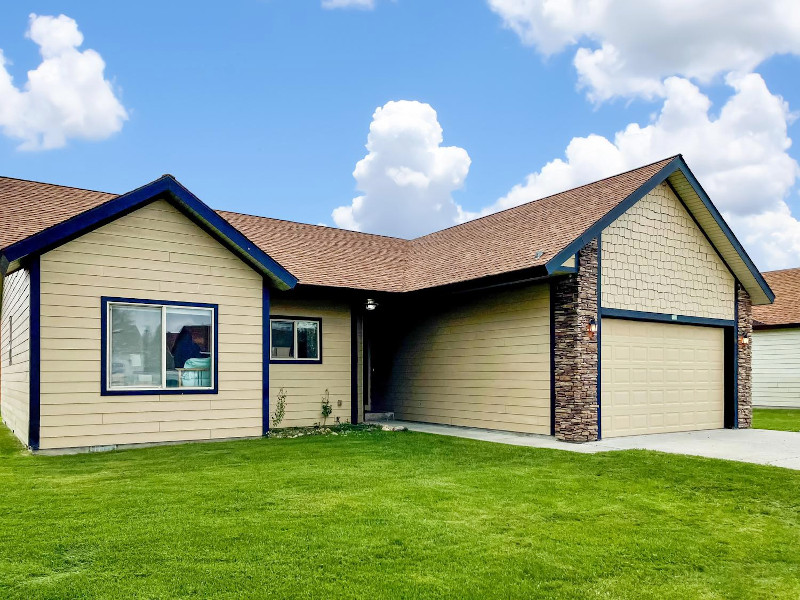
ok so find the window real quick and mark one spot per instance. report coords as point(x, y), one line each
point(158, 347)
point(295, 339)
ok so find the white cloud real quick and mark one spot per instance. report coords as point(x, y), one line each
point(66, 96)
point(407, 177)
point(740, 157)
point(362, 4)
point(627, 48)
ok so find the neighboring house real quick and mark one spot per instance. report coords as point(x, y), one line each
point(776, 343)
point(615, 308)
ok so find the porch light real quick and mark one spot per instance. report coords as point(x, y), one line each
point(371, 304)
point(592, 329)
point(744, 339)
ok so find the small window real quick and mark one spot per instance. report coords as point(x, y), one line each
point(159, 348)
point(295, 339)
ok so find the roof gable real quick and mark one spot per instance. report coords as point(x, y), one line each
point(534, 239)
point(165, 188)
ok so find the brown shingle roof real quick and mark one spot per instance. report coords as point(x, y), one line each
point(503, 242)
point(28, 207)
point(786, 308)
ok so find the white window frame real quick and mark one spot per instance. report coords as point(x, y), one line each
point(294, 321)
point(163, 387)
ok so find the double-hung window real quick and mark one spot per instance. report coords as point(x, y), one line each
point(158, 347)
point(295, 339)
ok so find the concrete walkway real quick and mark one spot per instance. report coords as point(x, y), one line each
point(760, 446)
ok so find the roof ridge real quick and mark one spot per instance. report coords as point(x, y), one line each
point(577, 187)
point(391, 237)
point(68, 187)
point(781, 270)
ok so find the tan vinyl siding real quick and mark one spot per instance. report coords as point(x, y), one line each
point(155, 253)
point(15, 373)
point(306, 383)
point(776, 368)
point(656, 259)
point(481, 360)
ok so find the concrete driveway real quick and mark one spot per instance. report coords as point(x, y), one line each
point(760, 446)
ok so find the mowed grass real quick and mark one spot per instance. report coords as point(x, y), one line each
point(780, 419)
point(393, 515)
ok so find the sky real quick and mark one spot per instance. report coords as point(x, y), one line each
point(402, 117)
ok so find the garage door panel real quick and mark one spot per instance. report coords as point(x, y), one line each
point(661, 377)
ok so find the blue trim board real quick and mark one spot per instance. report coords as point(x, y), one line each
point(293, 361)
point(598, 388)
point(265, 351)
point(104, 391)
point(35, 331)
point(166, 188)
point(638, 315)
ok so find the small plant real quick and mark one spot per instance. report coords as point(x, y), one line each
point(327, 409)
point(280, 408)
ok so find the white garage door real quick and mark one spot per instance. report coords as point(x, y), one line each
point(661, 377)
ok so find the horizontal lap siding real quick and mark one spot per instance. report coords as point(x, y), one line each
point(155, 253)
point(484, 361)
point(306, 383)
point(15, 374)
point(776, 368)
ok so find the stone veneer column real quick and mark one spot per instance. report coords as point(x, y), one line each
point(745, 316)
point(574, 300)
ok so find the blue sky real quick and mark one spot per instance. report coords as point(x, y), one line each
point(264, 107)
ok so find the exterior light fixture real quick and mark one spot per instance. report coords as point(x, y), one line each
point(592, 329)
point(744, 339)
point(371, 304)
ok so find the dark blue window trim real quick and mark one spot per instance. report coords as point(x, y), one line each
point(293, 361)
point(638, 315)
point(35, 325)
point(598, 389)
point(104, 391)
point(676, 164)
point(164, 188)
point(553, 285)
point(736, 357)
point(265, 352)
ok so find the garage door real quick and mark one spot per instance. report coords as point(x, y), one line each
point(661, 377)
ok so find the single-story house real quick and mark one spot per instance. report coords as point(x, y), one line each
point(776, 343)
point(616, 308)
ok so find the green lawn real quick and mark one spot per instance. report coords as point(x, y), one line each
point(781, 419)
point(393, 515)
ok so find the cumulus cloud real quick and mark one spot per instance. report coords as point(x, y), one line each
point(66, 96)
point(362, 4)
point(741, 158)
point(407, 177)
point(628, 48)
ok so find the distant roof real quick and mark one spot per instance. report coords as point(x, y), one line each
point(785, 311)
point(535, 235)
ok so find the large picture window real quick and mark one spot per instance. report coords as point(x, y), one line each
point(295, 339)
point(158, 347)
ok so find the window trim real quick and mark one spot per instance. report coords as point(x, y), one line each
point(105, 348)
point(296, 361)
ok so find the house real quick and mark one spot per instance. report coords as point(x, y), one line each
point(617, 308)
point(776, 343)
